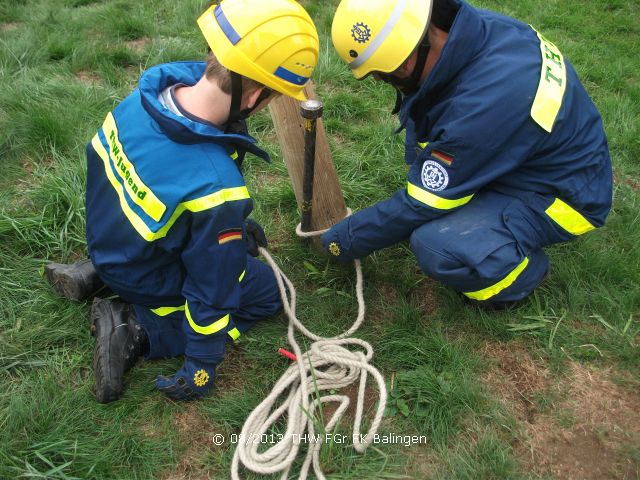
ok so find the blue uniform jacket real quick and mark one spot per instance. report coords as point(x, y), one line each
point(165, 208)
point(501, 110)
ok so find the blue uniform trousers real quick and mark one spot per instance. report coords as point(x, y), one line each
point(260, 299)
point(491, 248)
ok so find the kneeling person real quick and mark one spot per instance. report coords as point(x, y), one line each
point(506, 151)
point(167, 204)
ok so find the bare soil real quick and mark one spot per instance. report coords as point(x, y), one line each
point(633, 183)
point(138, 45)
point(351, 391)
point(227, 377)
point(584, 434)
point(387, 294)
point(193, 430)
point(424, 296)
point(517, 378)
point(7, 26)
point(281, 237)
point(88, 77)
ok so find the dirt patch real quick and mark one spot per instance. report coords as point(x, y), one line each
point(28, 166)
point(338, 139)
point(88, 77)
point(634, 184)
point(267, 179)
point(628, 181)
point(351, 391)
point(279, 237)
point(573, 454)
point(387, 294)
point(606, 420)
point(584, 433)
point(424, 296)
point(517, 378)
point(193, 430)
point(8, 26)
point(138, 45)
point(227, 377)
point(422, 462)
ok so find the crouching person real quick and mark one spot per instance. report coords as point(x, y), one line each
point(167, 205)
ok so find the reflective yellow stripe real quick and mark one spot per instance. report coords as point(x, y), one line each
point(196, 205)
point(501, 285)
point(434, 201)
point(242, 276)
point(138, 192)
point(208, 330)
point(215, 199)
point(164, 311)
point(568, 218)
point(135, 220)
point(553, 83)
point(234, 333)
point(234, 155)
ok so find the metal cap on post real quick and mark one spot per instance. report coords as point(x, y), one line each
point(310, 110)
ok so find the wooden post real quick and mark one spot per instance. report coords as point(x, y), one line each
point(328, 202)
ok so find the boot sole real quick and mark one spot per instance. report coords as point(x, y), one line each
point(106, 390)
point(108, 387)
point(62, 282)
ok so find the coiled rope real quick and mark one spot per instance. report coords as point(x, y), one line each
point(327, 366)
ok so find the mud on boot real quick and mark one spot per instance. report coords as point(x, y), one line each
point(120, 342)
point(75, 281)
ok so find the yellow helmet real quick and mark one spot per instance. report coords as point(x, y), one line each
point(378, 35)
point(273, 42)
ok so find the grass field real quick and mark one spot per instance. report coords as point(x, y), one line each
point(548, 390)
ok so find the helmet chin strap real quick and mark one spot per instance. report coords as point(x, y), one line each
point(235, 123)
point(237, 117)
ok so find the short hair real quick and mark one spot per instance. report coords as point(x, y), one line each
point(216, 72)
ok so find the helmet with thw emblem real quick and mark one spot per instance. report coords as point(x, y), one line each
point(378, 35)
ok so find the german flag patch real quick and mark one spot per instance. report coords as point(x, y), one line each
point(444, 157)
point(229, 235)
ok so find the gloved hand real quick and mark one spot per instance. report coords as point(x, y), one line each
point(255, 237)
point(192, 381)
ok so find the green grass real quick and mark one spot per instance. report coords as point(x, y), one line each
point(65, 63)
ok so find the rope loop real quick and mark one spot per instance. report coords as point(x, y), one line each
point(297, 398)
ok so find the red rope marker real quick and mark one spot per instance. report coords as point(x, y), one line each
point(288, 354)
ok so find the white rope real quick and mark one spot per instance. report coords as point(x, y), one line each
point(328, 365)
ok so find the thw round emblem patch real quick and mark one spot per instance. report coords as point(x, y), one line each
point(434, 176)
point(200, 378)
point(361, 33)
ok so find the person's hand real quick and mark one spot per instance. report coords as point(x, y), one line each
point(192, 381)
point(255, 237)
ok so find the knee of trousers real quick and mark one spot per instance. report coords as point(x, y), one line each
point(435, 262)
point(493, 268)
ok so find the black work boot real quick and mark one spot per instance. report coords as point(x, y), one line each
point(120, 342)
point(75, 281)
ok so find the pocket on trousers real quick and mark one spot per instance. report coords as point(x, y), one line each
point(473, 249)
